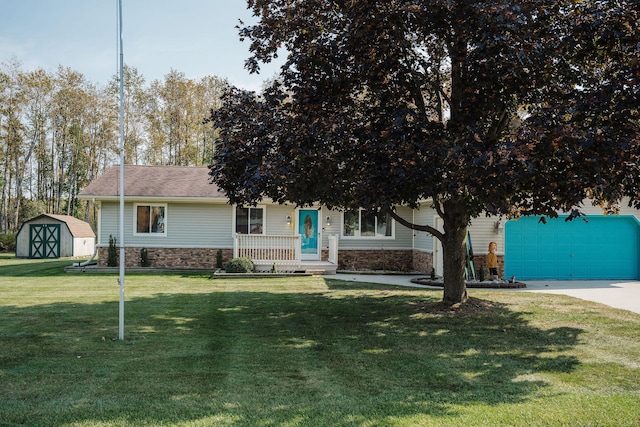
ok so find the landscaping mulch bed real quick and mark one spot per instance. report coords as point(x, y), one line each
point(487, 284)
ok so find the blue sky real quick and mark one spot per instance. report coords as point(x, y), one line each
point(196, 37)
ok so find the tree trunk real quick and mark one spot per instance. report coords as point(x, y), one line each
point(455, 221)
point(455, 289)
point(455, 217)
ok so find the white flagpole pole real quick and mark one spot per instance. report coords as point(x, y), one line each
point(122, 260)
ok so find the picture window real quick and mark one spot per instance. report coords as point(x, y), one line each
point(151, 219)
point(367, 224)
point(250, 220)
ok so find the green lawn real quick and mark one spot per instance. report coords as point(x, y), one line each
point(307, 351)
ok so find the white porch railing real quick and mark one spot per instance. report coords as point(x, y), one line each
point(280, 250)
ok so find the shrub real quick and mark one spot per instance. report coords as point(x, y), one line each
point(144, 258)
point(239, 265)
point(112, 254)
point(219, 259)
point(8, 242)
point(482, 274)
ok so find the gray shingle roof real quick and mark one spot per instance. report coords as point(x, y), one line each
point(154, 181)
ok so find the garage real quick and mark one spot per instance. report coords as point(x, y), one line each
point(599, 247)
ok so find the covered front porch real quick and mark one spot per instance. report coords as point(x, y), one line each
point(284, 253)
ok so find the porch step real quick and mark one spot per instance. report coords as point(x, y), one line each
point(318, 267)
point(308, 267)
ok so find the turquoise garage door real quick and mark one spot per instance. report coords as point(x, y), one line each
point(601, 248)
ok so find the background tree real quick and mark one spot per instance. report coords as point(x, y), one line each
point(58, 132)
point(208, 97)
point(178, 134)
point(11, 144)
point(38, 89)
point(136, 100)
point(481, 107)
point(71, 103)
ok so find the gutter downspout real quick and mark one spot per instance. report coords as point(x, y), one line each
point(87, 262)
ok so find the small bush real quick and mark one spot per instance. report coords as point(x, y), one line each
point(239, 265)
point(219, 259)
point(144, 258)
point(112, 254)
point(8, 242)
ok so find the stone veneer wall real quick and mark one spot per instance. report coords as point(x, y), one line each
point(422, 261)
point(481, 260)
point(375, 259)
point(202, 258)
point(205, 258)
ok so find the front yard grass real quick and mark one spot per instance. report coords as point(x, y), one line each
point(307, 351)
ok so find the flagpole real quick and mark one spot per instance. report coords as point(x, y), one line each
point(122, 260)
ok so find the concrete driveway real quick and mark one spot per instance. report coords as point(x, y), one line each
point(624, 294)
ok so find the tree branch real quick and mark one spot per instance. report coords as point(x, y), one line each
point(426, 228)
point(438, 207)
point(499, 124)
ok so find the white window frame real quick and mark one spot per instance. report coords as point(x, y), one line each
point(151, 205)
point(264, 218)
point(358, 236)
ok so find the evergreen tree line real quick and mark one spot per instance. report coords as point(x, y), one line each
point(59, 131)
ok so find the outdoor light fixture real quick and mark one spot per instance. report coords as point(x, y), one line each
point(328, 221)
point(288, 219)
point(499, 225)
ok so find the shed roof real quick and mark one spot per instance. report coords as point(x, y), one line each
point(77, 227)
point(154, 181)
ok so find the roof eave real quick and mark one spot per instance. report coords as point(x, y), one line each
point(158, 199)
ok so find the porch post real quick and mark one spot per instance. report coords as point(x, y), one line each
point(298, 248)
point(333, 249)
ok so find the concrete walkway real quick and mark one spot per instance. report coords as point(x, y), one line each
point(624, 294)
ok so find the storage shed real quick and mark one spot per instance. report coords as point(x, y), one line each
point(55, 236)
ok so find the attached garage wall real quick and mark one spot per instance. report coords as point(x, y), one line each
point(603, 247)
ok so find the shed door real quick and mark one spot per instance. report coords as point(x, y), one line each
point(601, 248)
point(44, 241)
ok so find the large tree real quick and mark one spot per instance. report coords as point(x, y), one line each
point(480, 107)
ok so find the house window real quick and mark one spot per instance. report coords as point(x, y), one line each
point(151, 219)
point(250, 220)
point(367, 223)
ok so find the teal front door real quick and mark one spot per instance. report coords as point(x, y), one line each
point(309, 230)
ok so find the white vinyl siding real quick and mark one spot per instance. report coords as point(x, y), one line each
point(188, 225)
point(276, 224)
point(483, 231)
point(276, 220)
point(423, 241)
point(332, 228)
